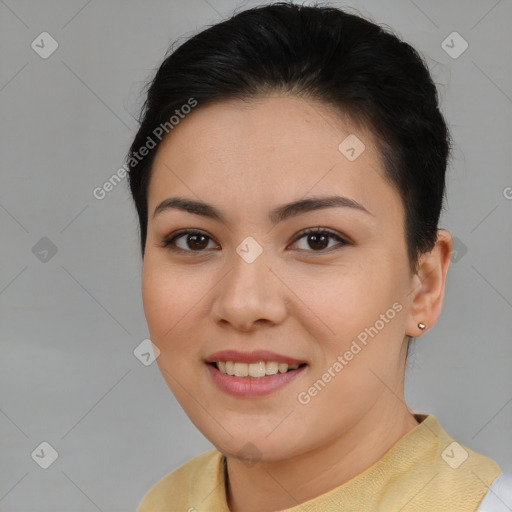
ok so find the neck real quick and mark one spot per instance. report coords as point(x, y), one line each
point(278, 485)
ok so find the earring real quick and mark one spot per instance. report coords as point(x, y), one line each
point(421, 326)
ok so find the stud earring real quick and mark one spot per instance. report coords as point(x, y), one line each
point(421, 326)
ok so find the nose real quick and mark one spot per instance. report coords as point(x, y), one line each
point(250, 295)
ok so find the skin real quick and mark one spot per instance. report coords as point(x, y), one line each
point(245, 158)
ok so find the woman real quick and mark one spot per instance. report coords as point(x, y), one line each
point(289, 174)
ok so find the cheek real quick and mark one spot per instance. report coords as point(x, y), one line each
point(169, 306)
point(360, 301)
point(157, 299)
point(347, 296)
point(167, 299)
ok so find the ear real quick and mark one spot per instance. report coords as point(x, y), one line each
point(427, 285)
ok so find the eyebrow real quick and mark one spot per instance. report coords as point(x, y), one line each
point(276, 215)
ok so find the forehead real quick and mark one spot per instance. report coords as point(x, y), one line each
point(267, 151)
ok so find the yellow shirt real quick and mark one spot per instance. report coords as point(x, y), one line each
point(425, 470)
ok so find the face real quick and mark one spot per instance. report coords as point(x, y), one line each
point(324, 285)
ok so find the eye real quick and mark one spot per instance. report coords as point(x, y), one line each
point(187, 240)
point(318, 239)
point(192, 240)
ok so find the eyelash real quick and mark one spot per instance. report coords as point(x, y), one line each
point(169, 241)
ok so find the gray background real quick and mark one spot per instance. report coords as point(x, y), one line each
point(70, 324)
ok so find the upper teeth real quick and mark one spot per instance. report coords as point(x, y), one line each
point(259, 369)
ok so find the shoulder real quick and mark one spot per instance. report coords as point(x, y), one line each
point(499, 495)
point(184, 483)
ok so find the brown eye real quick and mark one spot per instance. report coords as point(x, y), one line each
point(196, 242)
point(187, 241)
point(318, 240)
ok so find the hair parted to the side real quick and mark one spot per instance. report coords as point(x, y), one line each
point(325, 53)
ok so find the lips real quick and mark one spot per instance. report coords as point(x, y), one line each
point(247, 387)
point(252, 374)
point(252, 357)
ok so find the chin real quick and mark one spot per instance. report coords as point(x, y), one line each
point(254, 443)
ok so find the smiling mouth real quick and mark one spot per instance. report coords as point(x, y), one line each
point(254, 370)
